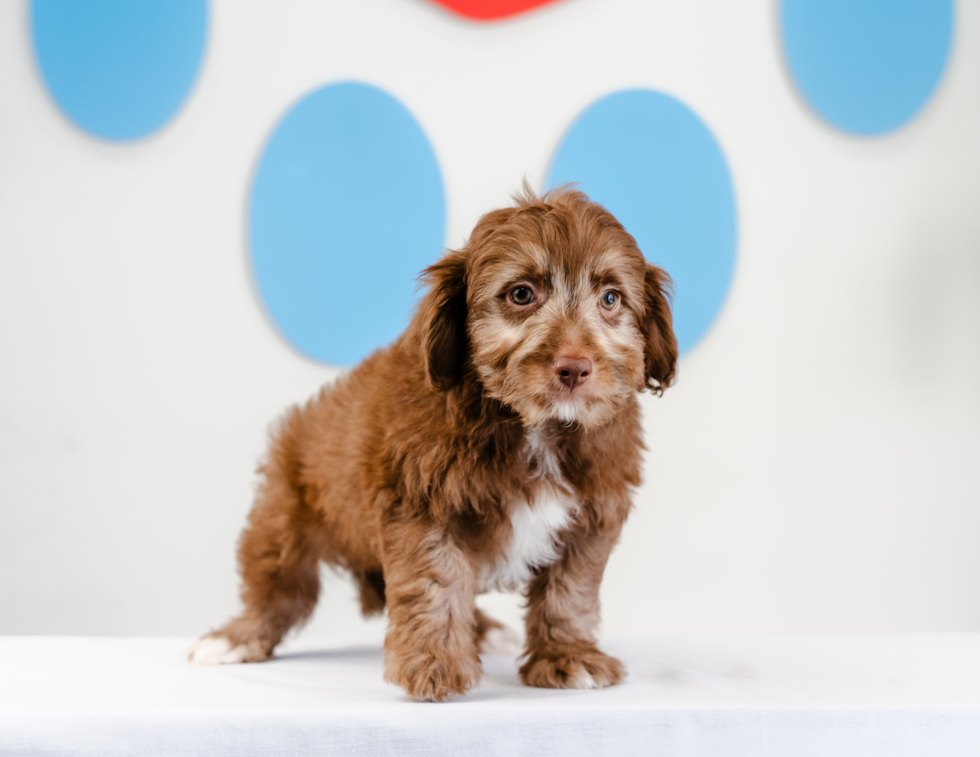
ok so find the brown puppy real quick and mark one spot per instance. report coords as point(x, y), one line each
point(494, 445)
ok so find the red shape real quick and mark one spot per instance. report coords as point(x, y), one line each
point(490, 10)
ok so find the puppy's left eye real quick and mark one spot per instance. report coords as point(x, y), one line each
point(521, 296)
point(609, 300)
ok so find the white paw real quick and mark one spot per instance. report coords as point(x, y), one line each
point(501, 641)
point(216, 650)
point(583, 680)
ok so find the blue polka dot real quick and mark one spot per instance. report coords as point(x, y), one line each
point(653, 163)
point(347, 207)
point(866, 66)
point(120, 69)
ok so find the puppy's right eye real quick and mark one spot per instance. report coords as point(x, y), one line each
point(521, 295)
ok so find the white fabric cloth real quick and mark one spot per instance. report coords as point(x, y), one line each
point(788, 696)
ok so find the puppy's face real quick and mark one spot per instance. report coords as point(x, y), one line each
point(555, 333)
point(563, 318)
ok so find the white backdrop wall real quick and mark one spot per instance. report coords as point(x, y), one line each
point(814, 469)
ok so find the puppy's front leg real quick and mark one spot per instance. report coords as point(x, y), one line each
point(562, 617)
point(430, 647)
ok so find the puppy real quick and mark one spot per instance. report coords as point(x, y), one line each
point(494, 445)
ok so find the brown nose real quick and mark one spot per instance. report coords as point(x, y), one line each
point(573, 371)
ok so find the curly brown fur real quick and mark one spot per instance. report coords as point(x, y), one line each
point(493, 445)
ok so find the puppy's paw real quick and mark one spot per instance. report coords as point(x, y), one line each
point(218, 650)
point(578, 668)
point(430, 678)
point(501, 640)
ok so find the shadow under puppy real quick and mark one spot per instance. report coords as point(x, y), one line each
point(492, 446)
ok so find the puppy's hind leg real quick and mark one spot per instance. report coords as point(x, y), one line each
point(371, 585)
point(278, 556)
point(493, 637)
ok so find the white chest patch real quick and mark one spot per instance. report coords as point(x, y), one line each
point(534, 526)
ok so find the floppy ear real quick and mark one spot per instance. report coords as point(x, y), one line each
point(660, 344)
point(442, 315)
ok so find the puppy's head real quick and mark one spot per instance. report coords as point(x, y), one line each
point(555, 310)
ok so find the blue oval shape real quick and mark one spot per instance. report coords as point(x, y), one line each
point(653, 164)
point(119, 69)
point(347, 208)
point(866, 66)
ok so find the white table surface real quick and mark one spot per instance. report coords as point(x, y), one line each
point(790, 695)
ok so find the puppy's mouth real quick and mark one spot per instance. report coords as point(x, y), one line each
point(570, 405)
point(570, 395)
